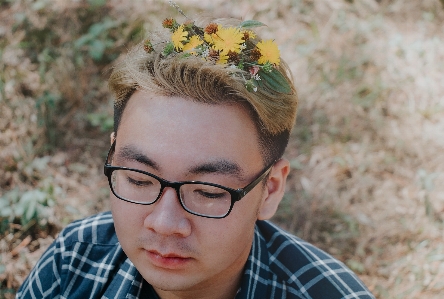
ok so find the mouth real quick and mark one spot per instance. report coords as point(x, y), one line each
point(170, 261)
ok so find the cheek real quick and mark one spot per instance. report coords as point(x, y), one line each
point(119, 215)
point(118, 210)
point(230, 237)
point(242, 220)
point(129, 212)
point(128, 220)
point(224, 248)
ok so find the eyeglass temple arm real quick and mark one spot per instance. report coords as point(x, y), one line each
point(249, 187)
point(111, 150)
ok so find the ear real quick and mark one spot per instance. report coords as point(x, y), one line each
point(112, 137)
point(274, 189)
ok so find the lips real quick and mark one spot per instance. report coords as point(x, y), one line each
point(168, 260)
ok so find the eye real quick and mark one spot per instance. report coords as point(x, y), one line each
point(140, 182)
point(212, 193)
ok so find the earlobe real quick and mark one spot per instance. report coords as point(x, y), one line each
point(274, 189)
point(112, 137)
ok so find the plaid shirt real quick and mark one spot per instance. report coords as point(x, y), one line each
point(87, 261)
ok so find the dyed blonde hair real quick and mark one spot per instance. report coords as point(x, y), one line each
point(191, 77)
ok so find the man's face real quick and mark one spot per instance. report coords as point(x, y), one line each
point(187, 141)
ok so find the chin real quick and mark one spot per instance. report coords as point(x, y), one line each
point(171, 283)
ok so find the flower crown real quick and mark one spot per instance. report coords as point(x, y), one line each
point(234, 47)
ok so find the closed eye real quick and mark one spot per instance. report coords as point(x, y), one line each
point(141, 183)
point(211, 195)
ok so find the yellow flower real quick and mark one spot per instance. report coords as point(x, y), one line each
point(269, 52)
point(228, 39)
point(193, 43)
point(209, 38)
point(223, 59)
point(248, 34)
point(178, 37)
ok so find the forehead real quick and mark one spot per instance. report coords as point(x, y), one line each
point(161, 105)
point(180, 128)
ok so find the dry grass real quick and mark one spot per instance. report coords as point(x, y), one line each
point(367, 151)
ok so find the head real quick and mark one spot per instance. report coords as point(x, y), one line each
point(186, 119)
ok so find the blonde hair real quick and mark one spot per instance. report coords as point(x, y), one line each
point(191, 77)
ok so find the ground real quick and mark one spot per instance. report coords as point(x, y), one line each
point(366, 153)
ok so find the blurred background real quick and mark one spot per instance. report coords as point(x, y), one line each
point(367, 152)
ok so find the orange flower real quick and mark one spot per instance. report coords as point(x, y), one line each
point(211, 28)
point(169, 23)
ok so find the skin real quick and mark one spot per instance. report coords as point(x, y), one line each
point(182, 255)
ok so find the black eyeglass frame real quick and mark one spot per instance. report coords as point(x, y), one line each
point(236, 194)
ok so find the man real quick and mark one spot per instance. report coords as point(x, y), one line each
point(202, 118)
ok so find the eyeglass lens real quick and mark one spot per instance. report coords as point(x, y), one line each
point(142, 188)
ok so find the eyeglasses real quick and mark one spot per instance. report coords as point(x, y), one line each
point(198, 198)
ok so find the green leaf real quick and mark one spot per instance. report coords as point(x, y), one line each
point(6, 212)
point(27, 207)
point(4, 202)
point(40, 164)
point(356, 266)
point(19, 209)
point(30, 212)
point(274, 80)
point(251, 24)
point(97, 3)
point(102, 120)
point(83, 40)
point(96, 29)
point(39, 5)
point(296, 164)
point(96, 50)
point(168, 49)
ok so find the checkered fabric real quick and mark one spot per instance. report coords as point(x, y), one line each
point(87, 261)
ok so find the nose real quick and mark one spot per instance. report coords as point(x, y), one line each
point(168, 217)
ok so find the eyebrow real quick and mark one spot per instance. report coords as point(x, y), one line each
point(218, 167)
point(225, 167)
point(129, 152)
